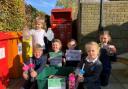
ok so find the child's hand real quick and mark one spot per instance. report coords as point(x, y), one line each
point(25, 76)
point(48, 60)
point(49, 28)
point(112, 48)
point(51, 76)
point(71, 74)
point(64, 60)
point(47, 65)
point(33, 74)
point(80, 78)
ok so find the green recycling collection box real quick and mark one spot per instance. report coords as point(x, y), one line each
point(42, 78)
point(56, 83)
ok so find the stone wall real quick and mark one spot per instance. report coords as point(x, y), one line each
point(115, 19)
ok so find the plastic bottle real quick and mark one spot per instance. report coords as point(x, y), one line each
point(82, 72)
point(25, 68)
point(31, 66)
point(72, 81)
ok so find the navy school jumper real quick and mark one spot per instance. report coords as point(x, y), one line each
point(106, 60)
point(92, 74)
point(39, 63)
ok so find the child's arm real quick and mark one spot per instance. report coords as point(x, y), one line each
point(25, 76)
point(113, 57)
point(48, 60)
point(32, 31)
point(33, 73)
point(43, 62)
point(63, 59)
point(25, 70)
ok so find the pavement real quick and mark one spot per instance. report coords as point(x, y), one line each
point(119, 76)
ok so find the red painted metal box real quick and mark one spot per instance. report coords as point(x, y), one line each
point(61, 23)
point(4, 78)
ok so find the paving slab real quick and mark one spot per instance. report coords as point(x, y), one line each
point(125, 86)
point(119, 66)
point(113, 86)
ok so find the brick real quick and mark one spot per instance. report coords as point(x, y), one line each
point(115, 18)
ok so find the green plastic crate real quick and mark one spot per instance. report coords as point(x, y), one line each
point(42, 78)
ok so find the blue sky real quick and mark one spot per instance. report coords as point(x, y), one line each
point(43, 5)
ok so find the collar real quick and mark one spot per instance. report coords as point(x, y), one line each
point(93, 61)
point(38, 30)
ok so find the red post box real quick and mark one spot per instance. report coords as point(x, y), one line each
point(61, 23)
point(4, 79)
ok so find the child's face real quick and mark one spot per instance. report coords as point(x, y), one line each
point(38, 53)
point(56, 46)
point(104, 38)
point(72, 45)
point(38, 25)
point(92, 52)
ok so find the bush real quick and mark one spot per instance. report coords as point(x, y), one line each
point(12, 15)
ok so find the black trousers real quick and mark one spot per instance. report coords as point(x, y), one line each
point(104, 78)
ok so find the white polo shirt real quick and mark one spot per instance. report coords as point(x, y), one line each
point(38, 37)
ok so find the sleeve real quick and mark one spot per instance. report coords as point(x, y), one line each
point(63, 59)
point(95, 76)
point(79, 66)
point(28, 61)
point(63, 54)
point(31, 31)
point(81, 63)
point(113, 57)
point(77, 70)
point(45, 33)
point(43, 64)
point(48, 61)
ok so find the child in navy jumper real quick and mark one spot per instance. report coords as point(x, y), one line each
point(72, 46)
point(107, 55)
point(36, 65)
point(91, 66)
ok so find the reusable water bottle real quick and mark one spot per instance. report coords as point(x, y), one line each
point(72, 81)
point(25, 68)
point(82, 72)
point(31, 66)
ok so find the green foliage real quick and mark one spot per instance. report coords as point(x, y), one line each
point(31, 14)
point(67, 3)
point(12, 15)
point(15, 14)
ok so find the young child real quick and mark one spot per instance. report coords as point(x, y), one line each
point(39, 33)
point(72, 47)
point(107, 54)
point(27, 44)
point(56, 58)
point(91, 67)
point(72, 44)
point(33, 67)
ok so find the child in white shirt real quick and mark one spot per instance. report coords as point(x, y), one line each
point(39, 33)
